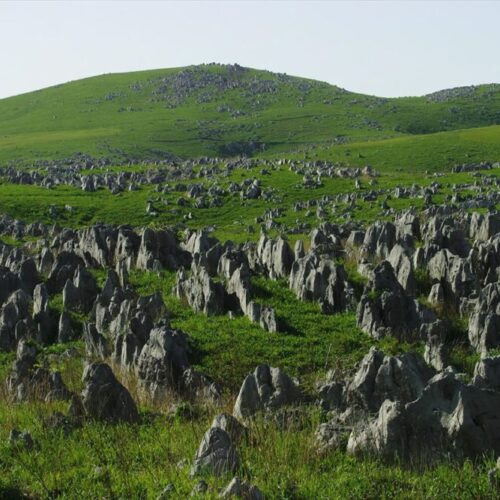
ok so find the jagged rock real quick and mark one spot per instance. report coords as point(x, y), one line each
point(445, 233)
point(18, 379)
point(483, 227)
point(436, 353)
point(324, 281)
point(275, 256)
point(80, 293)
point(230, 261)
point(455, 274)
point(241, 489)
point(266, 389)
point(407, 228)
point(65, 328)
point(159, 249)
point(104, 398)
point(197, 385)
point(27, 382)
point(385, 309)
point(380, 377)
point(127, 246)
point(201, 292)
point(355, 239)
point(56, 389)
point(216, 454)
point(448, 418)
point(97, 244)
point(198, 242)
point(486, 259)
point(162, 361)
point(268, 320)
point(239, 285)
point(42, 317)
point(28, 275)
point(487, 373)
point(403, 269)
point(15, 310)
point(299, 250)
point(379, 239)
point(63, 269)
point(96, 345)
point(331, 393)
point(332, 436)
point(436, 295)
point(46, 261)
point(231, 425)
point(484, 323)
point(110, 285)
point(9, 283)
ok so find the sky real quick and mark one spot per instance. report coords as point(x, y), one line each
point(386, 48)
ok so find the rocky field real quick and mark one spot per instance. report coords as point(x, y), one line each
point(329, 357)
point(317, 316)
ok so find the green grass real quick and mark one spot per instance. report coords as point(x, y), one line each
point(138, 461)
point(125, 116)
point(141, 115)
point(433, 152)
point(32, 203)
point(227, 349)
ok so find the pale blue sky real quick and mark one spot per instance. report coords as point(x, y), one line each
point(383, 48)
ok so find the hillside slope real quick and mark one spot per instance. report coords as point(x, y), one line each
point(221, 110)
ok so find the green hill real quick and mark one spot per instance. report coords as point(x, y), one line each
point(223, 110)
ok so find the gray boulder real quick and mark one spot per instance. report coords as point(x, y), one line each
point(455, 274)
point(231, 425)
point(321, 280)
point(80, 293)
point(483, 227)
point(484, 323)
point(380, 377)
point(238, 488)
point(201, 292)
point(436, 352)
point(104, 398)
point(275, 257)
point(449, 418)
point(65, 332)
point(14, 312)
point(487, 373)
point(162, 361)
point(379, 239)
point(403, 268)
point(385, 309)
point(265, 389)
point(216, 454)
point(42, 317)
point(96, 345)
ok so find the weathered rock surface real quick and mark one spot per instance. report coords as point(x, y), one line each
point(321, 280)
point(104, 398)
point(380, 377)
point(216, 454)
point(448, 418)
point(385, 309)
point(239, 488)
point(265, 389)
point(162, 361)
point(484, 323)
point(201, 292)
point(487, 373)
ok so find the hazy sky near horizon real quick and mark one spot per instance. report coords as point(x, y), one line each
point(386, 48)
